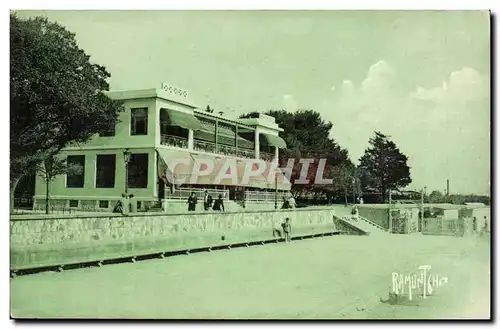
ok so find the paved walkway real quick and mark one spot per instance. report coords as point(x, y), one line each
point(331, 277)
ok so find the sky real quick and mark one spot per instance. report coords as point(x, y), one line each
point(422, 78)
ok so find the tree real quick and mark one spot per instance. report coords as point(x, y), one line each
point(56, 94)
point(383, 166)
point(49, 169)
point(307, 136)
point(436, 197)
point(209, 110)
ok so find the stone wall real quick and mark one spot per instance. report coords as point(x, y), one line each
point(48, 241)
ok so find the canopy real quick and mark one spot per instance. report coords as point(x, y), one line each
point(181, 119)
point(273, 140)
point(182, 165)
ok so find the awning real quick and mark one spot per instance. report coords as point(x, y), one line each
point(273, 140)
point(173, 165)
point(183, 168)
point(181, 119)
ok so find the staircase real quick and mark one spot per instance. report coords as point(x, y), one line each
point(362, 223)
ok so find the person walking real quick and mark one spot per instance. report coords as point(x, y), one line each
point(192, 201)
point(219, 204)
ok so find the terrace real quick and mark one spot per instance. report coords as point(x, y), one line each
point(214, 136)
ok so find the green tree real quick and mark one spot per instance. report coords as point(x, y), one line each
point(436, 197)
point(56, 94)
point(52, 166)
point(384, 166)
point(308, 136)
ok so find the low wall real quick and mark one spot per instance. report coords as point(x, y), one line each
point(48, 241)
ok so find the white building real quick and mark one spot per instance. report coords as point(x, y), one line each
point(158, 125)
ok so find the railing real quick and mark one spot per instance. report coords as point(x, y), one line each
point(223, 149)
point(266, 156)
point(265, 196)
point(210, 147)
point(184, 193)
point(174, 141)
point(245, 153)
point(204, 146)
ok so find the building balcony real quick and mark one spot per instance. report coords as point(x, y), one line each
point(204, 146)
point(268, 157)
point(174, 141)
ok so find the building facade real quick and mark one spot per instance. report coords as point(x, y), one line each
point(156, 127)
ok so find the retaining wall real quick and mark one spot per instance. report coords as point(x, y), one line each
point(47, 241)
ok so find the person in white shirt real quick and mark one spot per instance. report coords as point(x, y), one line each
point(291, 202)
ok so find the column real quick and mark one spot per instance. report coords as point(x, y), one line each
point(276, 154)
point(257, 145)
point(190, 139)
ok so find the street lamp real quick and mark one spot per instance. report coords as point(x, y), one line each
point(276, 191)
point(126, 159)
point(353, 191)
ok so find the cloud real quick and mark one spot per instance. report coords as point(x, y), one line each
point(443, 129)
point(380, 78)
point(289, 103)
point(461, 86)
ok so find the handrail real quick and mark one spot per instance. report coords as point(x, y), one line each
point(264, 196)
point(174, 141)
point(201, 145)
point(184, 193)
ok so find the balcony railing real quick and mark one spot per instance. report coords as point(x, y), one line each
point(204, 146)
point(209, 147)
point(266, 156)
point(174, 141)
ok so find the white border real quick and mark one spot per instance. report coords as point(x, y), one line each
point(199, 4)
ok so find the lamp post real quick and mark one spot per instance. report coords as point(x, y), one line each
point(353, 191)
point(275, 191)
point(126, 159)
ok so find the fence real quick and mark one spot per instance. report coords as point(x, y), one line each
point(184, 193)
point(264, 196)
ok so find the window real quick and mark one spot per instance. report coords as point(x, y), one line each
point(139, 204)
point(73, 203)
point(103, 204)
point(75, 175)
point(105, 171)
point(138, 171)
point(139, 121)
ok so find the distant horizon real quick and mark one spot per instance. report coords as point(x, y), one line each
point(422, 78)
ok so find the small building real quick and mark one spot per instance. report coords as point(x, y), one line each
point(158, 127)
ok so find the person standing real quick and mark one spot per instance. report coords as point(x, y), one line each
point(287, 229)
point(291, 202)
point(192, 201)
point(219, 204)
point(207, 201)
point(286, 204)
point(474, 225)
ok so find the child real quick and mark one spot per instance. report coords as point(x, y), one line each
point(287, 229)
